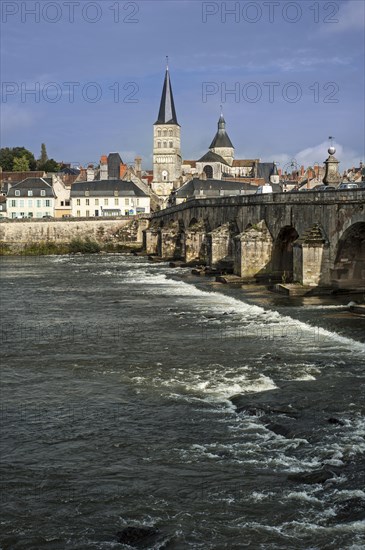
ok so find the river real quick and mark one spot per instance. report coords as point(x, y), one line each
point(115, 383)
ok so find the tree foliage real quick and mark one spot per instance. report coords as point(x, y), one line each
point(20, 164)
point(44, 157)
point(8, 154)
point(50, 166)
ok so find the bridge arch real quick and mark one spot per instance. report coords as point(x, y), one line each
point(282, 254)
point(349, 267)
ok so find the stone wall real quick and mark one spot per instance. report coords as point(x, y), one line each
point(18, 233)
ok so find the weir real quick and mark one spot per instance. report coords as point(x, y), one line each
point(315, 239)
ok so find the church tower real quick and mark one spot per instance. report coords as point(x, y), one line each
point(221, 144)
point(166, 144)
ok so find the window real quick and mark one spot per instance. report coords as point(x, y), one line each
point(30, 214)
point(21, 203)
point(17, 193)
point(78, 202)
point(67, 203)
point(158, 132)
point(127, 202)
point(78, 214)
point(170, 132)
point(38, 203)
point(13, 215)
point(106, 202)
point(87, 202)
point(159, 145)
point(30, 202)
point(62, 204)
point(165, 144)
point(30, 193)
point(13, 203)
point(171, 144)
point(48, 203)
point(116, 202)
point(22, 214)
point(165, 132)
point(88, 213)
point(137, 202)
point(43, 193)
point(96, 202)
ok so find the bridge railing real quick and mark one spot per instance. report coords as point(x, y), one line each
point(305, 198)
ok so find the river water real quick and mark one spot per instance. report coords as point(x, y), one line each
point(116, 377)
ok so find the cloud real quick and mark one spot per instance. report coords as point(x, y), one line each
point(317, 154)
point(351, 17)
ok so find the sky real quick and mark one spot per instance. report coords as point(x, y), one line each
point(85, 77)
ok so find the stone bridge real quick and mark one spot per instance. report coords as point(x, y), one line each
point(313, 238)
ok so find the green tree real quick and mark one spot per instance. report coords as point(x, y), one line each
point(8, 154)
point(44, 157)
point(50, 166)
point(20, 164)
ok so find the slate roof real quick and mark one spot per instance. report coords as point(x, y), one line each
point(36, 185)
point(70, 171)
point(167, 113)
point(114, 162)
point(221, 138)
point(106, 188)
point(264, 170)
point(213, 188)
point(212, 157)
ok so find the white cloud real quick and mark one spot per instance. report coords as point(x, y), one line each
point(351, 17)
point(317, 154)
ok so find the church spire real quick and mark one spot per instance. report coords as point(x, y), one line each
point(221, 139)
point(167, 113)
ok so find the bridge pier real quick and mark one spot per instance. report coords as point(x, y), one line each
point(150, 240)
point(194, 239)
point(220, 245)
point(311, 258)
point(170, 242)
point(253, 251)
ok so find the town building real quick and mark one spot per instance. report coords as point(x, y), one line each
point(31, 198)
point(108, 198)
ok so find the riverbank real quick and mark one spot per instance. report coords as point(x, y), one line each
point(75, 246)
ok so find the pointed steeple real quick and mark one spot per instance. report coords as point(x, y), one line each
point(167, 113)
point(221, 138)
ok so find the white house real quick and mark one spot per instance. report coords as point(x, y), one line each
point(30, 198)
point(91, 199)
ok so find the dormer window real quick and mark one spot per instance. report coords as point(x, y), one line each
point(87, 193)
point(17, 193)
point(30, 193)
point(116, 193)
point(43, 193)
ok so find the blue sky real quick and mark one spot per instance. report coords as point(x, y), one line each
point(296, 69)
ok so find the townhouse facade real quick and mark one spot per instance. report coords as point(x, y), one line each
point(31, 198)
point(98, 198)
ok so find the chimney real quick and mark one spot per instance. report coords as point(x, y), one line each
point(104, 167)
point(90, 173)
point(138, 166)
